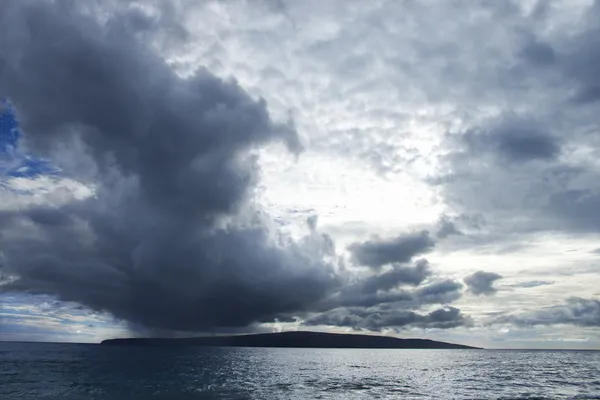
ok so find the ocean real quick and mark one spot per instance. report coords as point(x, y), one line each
point(73, 371)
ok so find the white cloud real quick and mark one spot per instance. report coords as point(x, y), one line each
point(23, 192)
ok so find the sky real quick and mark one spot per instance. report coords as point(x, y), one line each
point(409, 168)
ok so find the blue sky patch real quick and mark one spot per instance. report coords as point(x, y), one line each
point(14, 164)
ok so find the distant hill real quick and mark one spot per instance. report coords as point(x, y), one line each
point(295, 339)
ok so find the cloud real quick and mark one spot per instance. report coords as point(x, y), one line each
point(175, 186)
point(360, 306)
point(538, 140)
point(513, 140)
point(575, 311)
point(442, 318)
point(397, 275)
point(539, 53)
point(532, 284)
point(446, 227)
point(481, 283)
point(578, 60)
point(377, 252)
point(170, 237)
point(40, 318)
point(440, 292)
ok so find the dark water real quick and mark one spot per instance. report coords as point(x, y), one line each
point(55, 371)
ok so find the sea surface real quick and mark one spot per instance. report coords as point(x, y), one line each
point(71, 371)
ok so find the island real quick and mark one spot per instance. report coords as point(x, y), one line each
point(293, 340)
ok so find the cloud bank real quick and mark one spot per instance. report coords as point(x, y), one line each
point(170, 237)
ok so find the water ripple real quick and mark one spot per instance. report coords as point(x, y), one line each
point(51, 371)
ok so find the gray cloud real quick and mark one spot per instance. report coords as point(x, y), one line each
point(354, 307)
point(532, 284)
point(399, 274)
point(442, 318)
point(534, 147)
point(170, 239)
point(391, 65)
point(539, 53)
point(440, 292)
point(404, 285)
point(378, 252)
point(575, 207)
point(575, 311)
point(514, 140)
point(446, 227)
point(481, 283)
point(581, 56)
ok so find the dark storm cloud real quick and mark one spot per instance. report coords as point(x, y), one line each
point(575, 311)
point(170, 239)
point(377, 252)
point(482, 283)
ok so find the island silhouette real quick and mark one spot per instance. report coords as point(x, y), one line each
point(295, 339)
